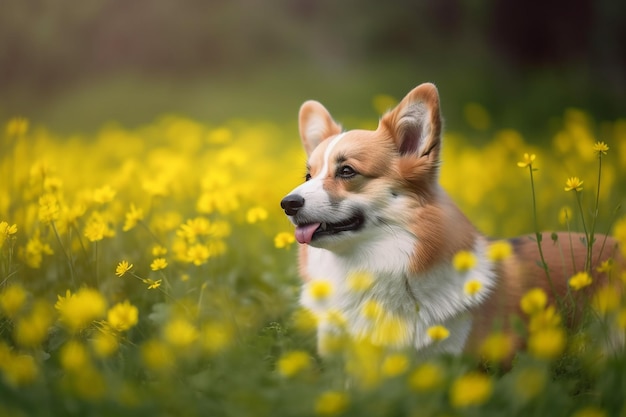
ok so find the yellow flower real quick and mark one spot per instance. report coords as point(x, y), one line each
point(547, 343)
point(292, 363)
point(528, 160)
point(34, 251)
point(97, 228)
point(198, 254)
point(391, 331)
point(426, 377)
point(156, 355)
point(61, 300)
point(284, 240)
point(158, 264)
point(199, 226)
point(496, 347)
point(133, 216)
point(606, 300)
point(580, 280)
point(438, 333)
point(533, 301)
point(152, 284)
point(464, 261)
point(363, 363)
point(122, 268)
point(73, 356)
point(20, 370)
point(17, 126)
point(360, 281)
point(122, 316)
point(104, 194)
point(619, 232)
point(12, 299)
point(180, 333)
point(320, 289)
point(544, 319)
point(32, 329)
point(471, 389)
point(104, 343)
point(394, 365)
point(48, 208)
point(82, 308)
point(605, 266)
point(331, 403)
point(11, 230)
point(573, 184)
point(256, 214)
point(216, 336)
point(371, 309)
point(565, 215)
point(600, 148)
point(158, 251)
point(331, 343)
point(304, 320)
point(499, 251)
point(472, 287)
point(6, 231)
point(335, 318)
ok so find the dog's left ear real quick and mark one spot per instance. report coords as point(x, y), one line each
point(415, 123)
point(315, 125)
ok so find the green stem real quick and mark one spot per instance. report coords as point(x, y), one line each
point(610, 226)
point(96, 263)
point(595, 216)
point(65, 254)
point(582, 216)
point(539, 237)
point(571, 247)
point(145, 226)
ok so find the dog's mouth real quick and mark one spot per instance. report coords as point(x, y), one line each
point(307, 232)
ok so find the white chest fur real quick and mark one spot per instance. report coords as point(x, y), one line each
point(370, 294)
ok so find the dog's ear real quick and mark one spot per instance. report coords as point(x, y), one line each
point(316, 124)
point(415, 123)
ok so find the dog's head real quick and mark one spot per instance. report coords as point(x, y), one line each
point(361, 182)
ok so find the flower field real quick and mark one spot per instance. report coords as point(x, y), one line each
point(150, 271)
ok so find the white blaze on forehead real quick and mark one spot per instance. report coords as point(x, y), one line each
point(313, 190)
point(324, 171)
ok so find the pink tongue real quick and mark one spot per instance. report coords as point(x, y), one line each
point(304, 234)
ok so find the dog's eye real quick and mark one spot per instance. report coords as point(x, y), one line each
point(346, 171)
point(307, 176)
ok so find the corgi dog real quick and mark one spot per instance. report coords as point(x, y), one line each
point(372, 209)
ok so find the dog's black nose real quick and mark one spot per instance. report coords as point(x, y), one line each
point(292, 203)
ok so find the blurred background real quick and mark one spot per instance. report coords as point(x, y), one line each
point(74, 66)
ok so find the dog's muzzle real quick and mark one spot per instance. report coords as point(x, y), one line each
point(292, 203)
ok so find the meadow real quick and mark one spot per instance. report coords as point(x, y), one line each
point(150, 271)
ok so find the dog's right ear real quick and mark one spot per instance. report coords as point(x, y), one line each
point(415, 123)
point(316, 124)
